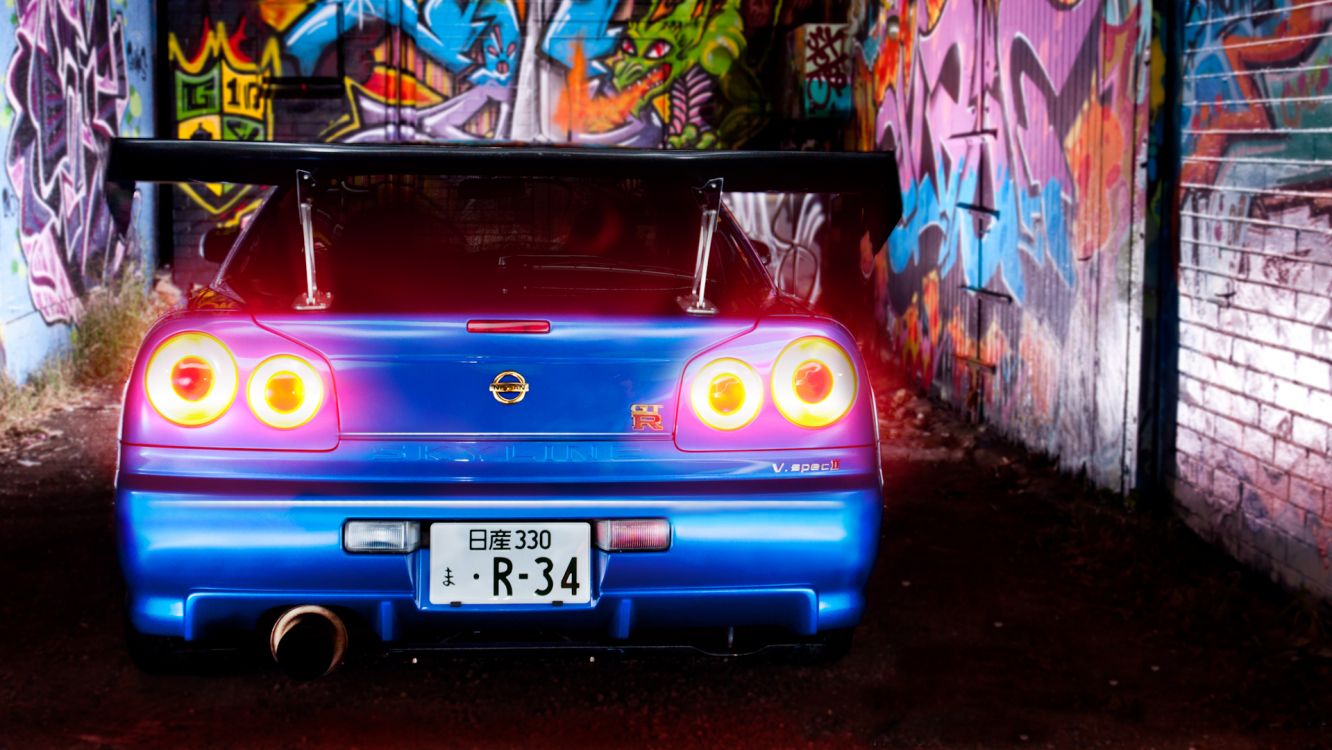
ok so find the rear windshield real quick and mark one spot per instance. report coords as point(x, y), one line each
point(433, 245)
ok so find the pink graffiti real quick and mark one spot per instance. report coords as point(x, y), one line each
point(68, 87)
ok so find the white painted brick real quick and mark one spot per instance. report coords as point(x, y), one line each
point(1273, 481)
point(1297, 336)
point(1313, 372)
point(1278, 302)
point(1320, 406)
point(1203, 310)
point(1241, 408)
point(1312, 308)
point(1287, 517)
point(1188, 441)
point(1315, 467)
point(1260, 385)
point(1291, 396)
point(1265, 358)
point(1227, 375)
point(1225, 487)
point(1258, 443)
point(1320, 280)
point(1275, 421)
point(1195, 364)
point(1246, 468)
point(1186, 308)
point(1259, 326)
point(1314, 246)
point(1192, 389)
point(1306, 495)
point(1267, 329)
point(1197, 473)
point(1310, 434)
point(1191, 282)
point(1196, 337)
point(1287, 456)
point(1195, 418)
point(1232, 319)
point(1279, 240)
point(1228, 432)
point(1285, 272)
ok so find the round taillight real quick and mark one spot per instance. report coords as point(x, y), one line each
point(726, 394)
point(813, 382)
point(285, 392)
point(191, 379)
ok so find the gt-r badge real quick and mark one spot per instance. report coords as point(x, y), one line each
point(646, 417)
point(509, 388)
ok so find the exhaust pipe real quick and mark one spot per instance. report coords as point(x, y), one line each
point(308, 642)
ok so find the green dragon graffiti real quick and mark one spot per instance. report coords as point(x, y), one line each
point(691, 49)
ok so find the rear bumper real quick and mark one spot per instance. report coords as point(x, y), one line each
point(208, 554)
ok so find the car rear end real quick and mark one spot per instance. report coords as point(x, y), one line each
point(502, 441)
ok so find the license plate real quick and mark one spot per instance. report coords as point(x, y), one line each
point(510, 563)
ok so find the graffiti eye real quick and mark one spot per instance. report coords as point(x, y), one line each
point(492, 50)
point(658, 50)
point(628, 48)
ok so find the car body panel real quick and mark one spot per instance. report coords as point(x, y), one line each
point(427, 375)
point(789, 542)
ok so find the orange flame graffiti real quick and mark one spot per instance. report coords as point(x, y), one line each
point(578, 111)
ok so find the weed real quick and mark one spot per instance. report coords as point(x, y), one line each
point(101, 352)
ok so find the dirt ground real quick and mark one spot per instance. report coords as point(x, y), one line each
point(1010, 608)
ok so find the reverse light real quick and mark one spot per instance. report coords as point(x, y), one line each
point(285, 392)
point(381, 536)
point(726, 394)
point(634, 535)
point(191, 379)
point(813, 382)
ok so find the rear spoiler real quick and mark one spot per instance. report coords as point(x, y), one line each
point(870, 177)
point(273, 163)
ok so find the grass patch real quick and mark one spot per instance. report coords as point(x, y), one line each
point(51, 385)
point(114, 321)
point(101, 352)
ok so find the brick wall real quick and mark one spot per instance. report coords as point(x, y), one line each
point(1255, 276)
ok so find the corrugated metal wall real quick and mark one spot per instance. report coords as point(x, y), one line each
point(1255, 278)
point(1013, 286)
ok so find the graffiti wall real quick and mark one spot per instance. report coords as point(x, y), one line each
point(696, 74)
point(1012, 284)
point(1255, 283)
point(74, 75)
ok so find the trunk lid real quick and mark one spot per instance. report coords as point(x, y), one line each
point(431, 377)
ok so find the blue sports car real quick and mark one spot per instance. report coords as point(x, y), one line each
point(446, 397)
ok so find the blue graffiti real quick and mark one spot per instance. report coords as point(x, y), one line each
point(448, 31)
point(445, 30)
point(1031, 222)
point(501, 44)
point(586, 23)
